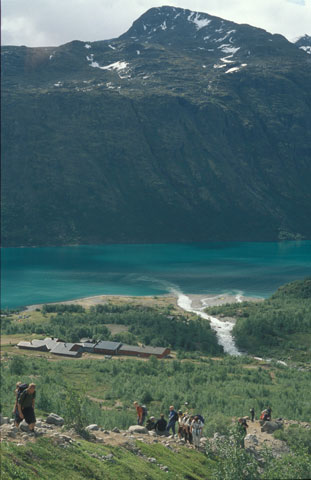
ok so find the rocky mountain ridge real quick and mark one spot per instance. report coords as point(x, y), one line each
point(304, 43)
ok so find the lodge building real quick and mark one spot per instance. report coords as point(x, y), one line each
point(103, 347)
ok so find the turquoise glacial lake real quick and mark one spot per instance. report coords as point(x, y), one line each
point(52, 274)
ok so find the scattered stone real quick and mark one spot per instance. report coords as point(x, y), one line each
point(66, 438)
point(108, 457)
point(152, 460)
point(55, 419)
point(106, 432)
point(271, 426)
point(24, 427)
point(92, 427)
point(138, 429)
point(3, 420)
point(115, 430)
point(251, 440)
point(164, 468)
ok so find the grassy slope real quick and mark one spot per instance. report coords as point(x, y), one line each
point(76, 462)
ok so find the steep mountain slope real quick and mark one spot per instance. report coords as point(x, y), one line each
point(304, 43)
point(186, 128)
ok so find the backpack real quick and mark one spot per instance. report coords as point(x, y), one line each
point(145, 411)
point(175, 417)
point(200, 418)
point(21, 389)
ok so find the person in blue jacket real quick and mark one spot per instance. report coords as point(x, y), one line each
point(172, 419)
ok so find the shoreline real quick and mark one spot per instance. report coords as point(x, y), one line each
point(199, 301)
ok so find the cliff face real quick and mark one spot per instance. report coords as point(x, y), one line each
point(186, 128)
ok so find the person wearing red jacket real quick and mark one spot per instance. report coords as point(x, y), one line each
point(140, 413)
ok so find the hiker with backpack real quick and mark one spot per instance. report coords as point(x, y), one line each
point(269, 413)
point(150, 424)
point(160, 425)
point(172, 419)
point(180, 432)
point(140, 413)
point(17, 391)
point(252, 412)
point(26, 405)
point(242, 431)
point(196, 430)
point(187, 428)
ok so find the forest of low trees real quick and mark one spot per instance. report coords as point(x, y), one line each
point(280, 325)
point(147, 325)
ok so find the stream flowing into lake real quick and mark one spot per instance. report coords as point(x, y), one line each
point(223, 329)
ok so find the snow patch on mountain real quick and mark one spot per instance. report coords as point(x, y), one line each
point(199, 22)
point(306, 48)
point(236, 69)
point(225, 59)
point(220, 65)
point(87, 45)
point(227, 48)
point(226, 36)
point(233, 69)
point(116, 66)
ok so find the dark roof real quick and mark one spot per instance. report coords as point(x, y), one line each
point(148, 350)
point(34, 345)
point(65, 349)
point(103, 345)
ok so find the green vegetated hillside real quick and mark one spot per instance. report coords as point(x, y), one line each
point(279, 327)
point(98, 390)
point(186, 128)
point(102, 391)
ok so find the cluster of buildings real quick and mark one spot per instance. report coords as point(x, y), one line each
point(75, 350)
